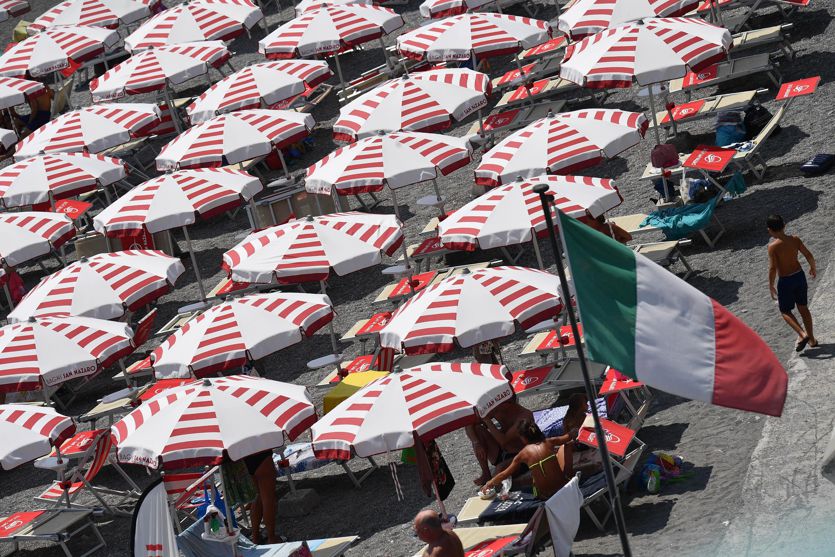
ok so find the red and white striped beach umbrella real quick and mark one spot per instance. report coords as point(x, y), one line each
point(396, 159)
point(473, 307)
point(103, 286)
point(55, 49)
point(26, 235)
point(13, 8)
point(306, 249)
point(587, 17)
point(428, 400)
point(30, 432)
point(259, 85)
point(512, 213)
point(467, 36)
point(241, 330)
point(90, 129)
point(646, 51)
point(15, 91)
point(96, 13)
point(437, 9)
point(56, 176)
point(329, 29)
point(48, 351)
point(196, 20)
point(158, 68)
point(235, 137)
point(305, 5)
point(177, 199)
point(561, 143)
point(422, 102)
point(197, 423)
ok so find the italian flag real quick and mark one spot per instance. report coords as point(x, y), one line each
point(654, 327)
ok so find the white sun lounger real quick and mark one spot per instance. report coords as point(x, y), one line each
point(707, 108)
point(54, 526)
point(632, 224)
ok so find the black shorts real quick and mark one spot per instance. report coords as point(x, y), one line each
point(791, 291)
point(253, 461)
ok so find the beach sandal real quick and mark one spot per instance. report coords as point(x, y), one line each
point(801, 344)
point(813, 345)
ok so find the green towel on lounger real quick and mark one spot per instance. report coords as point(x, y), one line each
point(680, 222)
point(736, 185)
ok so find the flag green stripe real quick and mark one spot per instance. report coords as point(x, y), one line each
point(605, 283)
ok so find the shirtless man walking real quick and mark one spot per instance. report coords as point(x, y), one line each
point(791, 289)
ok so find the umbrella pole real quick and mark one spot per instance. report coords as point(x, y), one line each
point(228, 512)
point(166, 94)
point(396, 207)
point(334, 344)
point(600, 434)
point(657, 139)
point(480, 123)
point(438, 198)
point(8, 296)
point(339, 73)
point(535, 242)
point(385, 54)
point(336, 204)
point(283, 164)
point(194, 264)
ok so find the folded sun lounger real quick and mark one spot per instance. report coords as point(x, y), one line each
point(56, 526)
point(729, 70)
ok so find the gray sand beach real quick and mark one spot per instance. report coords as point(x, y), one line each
point(729, 481)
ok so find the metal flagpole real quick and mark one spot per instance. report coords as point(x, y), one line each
point(542, 190)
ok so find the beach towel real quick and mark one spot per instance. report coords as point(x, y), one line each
point(736, 185)
point(297, 458)
point(563, 511)
point(550, 420)
point(680, 222)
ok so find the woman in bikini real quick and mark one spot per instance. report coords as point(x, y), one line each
point(551, 461)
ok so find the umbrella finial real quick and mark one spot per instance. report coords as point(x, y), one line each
point(465, 271)
point(520, 178)
point(540, 188)
point(207, 382)
point(309, 218)
point(550, 114)
point(32, 319)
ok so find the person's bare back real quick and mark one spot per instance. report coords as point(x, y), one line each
point(447, 545)
point(785, 252)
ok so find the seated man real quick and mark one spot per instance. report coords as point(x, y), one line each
point(551, 462)
point(442, 543)
point(494, 444)
point(41, 112)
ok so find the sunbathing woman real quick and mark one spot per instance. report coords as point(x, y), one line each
point(549, 460)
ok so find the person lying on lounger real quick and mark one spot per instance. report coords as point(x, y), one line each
point(429, 528)
point(610, 229)
point(498, 444)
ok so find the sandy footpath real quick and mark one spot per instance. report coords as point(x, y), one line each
point(688, 518)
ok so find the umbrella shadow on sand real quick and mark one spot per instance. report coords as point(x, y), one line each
point(663, 437)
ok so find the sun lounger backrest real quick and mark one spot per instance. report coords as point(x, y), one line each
point(103, 444)
point(623, 473)
point(769, 128)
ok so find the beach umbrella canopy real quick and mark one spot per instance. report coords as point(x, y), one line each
point(467, 36)
point(437, 9)
point(306, 249)
point(240, 330)
point(15, 91)
point(26, 235)
point(472, 307)
point(177, 199)
point(424, 402)
point(561, 143)
point(512, 214)
point(13, 8)
point(30, 432)
point(55, 49)
point(103, 286)
point(7, 138)
point(396, 159)
point(196, 20)
point(56, 176)
point(259, 85)
point(587, 17)
point(48, 351)
point(235, 137)
point(647, 51)
point(306, 5)
point(158, 68)
point(96, 13)
point(423, 102)
point(90, 129)
point(329, 29)
point(198, 423)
